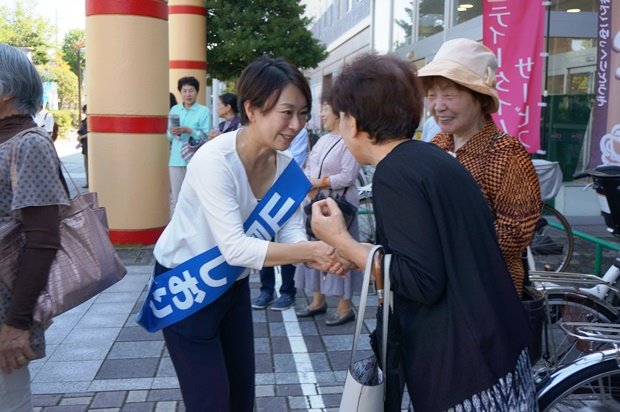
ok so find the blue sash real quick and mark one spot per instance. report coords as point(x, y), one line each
point(194, 284)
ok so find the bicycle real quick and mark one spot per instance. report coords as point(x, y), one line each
point(366, 214)
point(582, 297)
point(553, 243)
point(590, 383)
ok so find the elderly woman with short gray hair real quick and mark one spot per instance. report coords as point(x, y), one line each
point(31, 189)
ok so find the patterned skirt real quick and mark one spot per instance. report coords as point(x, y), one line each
point(514, 392)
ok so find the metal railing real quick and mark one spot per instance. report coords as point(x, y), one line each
point(600, 245)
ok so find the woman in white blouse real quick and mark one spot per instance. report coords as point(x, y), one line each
point(213, 349)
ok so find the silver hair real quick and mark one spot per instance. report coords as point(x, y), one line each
point(20, 80)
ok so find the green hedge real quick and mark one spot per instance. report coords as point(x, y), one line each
point(66, 120)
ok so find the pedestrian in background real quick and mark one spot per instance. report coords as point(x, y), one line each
point(82, 138)
point(333, 170)
point(212, 350)
point(193, 121)
point(227, 109)
point(45, 119)
point(457, 327)
point(460, 86)
point(27, 158)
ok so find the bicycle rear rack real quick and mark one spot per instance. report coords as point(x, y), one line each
point(549, 281)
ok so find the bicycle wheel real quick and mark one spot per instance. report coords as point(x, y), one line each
point(553, 242)
point(591, 384)
point(366, 219)
point(560, 349)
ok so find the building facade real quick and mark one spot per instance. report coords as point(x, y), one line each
point(415, 29)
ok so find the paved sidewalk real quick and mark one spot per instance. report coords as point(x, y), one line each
point(99, 359)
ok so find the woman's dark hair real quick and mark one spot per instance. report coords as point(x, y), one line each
point(382, 93)
point(230, 99)
point(262, 82)
point(173, 100)
point(327, 97)
point(190, 80)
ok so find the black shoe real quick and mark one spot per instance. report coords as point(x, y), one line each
point(336, 319)
point(311, 312)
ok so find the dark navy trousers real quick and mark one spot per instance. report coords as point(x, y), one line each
point(268, 280)
point(213, 353)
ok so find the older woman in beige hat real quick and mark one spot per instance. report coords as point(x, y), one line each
point(460, 87)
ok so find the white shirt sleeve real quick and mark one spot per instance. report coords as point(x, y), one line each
point(223, 204)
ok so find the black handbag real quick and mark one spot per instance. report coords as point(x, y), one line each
point(349, 211)
point(533, 301)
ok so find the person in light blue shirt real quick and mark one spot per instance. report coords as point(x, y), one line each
point(187, 120)
point(299, 147)
point(430, 129)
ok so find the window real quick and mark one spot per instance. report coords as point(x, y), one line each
point(574, 6)
point(402, 27)
point(466, 10)
point(431, 17)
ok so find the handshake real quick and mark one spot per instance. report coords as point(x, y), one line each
point(337, 251)
point(326, 258)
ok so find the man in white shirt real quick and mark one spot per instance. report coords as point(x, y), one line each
point(45, 120)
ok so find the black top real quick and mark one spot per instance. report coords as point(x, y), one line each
point(462, 324)
point(83, 130)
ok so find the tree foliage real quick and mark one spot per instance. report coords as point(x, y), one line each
point(19, 27)
point(74, 40)
point(239, 31)
point(59, 71)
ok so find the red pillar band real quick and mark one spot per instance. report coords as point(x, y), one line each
point(183, 9)
point(136, 237)
point(149, 8)
point(127, 124)
point(188, 64)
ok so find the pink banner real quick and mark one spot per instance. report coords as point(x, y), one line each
point(605, 148)
point(515, 33)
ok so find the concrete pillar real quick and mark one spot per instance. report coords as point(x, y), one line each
point(188, 44)
point(127, 65)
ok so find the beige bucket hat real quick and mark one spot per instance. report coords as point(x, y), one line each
point(468, 63)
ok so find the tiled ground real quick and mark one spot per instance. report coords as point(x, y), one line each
point(99, 359)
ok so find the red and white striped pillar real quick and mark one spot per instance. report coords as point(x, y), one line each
point(127, 46)
point(188, 44)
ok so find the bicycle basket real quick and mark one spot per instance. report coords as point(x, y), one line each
point(607, 185)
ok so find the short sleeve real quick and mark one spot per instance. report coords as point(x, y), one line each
point(35, 179)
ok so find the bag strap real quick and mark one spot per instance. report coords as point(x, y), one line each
point(362, 305)
point(13, 171)
point(325, 157)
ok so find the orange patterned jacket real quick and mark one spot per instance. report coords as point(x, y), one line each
point(506, 175)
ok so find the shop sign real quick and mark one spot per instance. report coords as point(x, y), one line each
point(516, 34)
point(605, 149)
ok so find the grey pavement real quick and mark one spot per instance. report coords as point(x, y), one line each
point(99, 359)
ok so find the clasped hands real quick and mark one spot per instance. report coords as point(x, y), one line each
point(329, 226)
